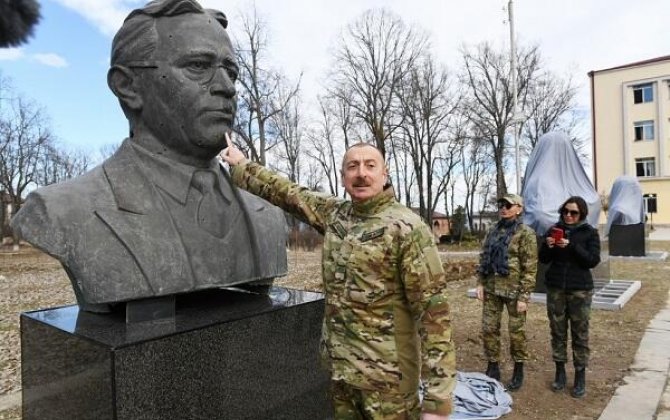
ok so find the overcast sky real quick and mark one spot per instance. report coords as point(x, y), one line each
point(64, 65)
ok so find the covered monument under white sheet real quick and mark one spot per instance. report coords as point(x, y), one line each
point(625, 218)
point(553, 174)
point(626, 205)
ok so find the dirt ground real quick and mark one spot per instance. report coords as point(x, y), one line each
point(31, 280)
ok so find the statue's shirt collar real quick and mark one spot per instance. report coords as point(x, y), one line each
point(175, 178)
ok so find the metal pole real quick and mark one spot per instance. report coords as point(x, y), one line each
point(515, 109)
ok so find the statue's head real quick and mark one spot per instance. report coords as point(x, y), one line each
point(173, 69)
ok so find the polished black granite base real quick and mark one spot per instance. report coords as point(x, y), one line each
point(627, 240)
point(226, 355)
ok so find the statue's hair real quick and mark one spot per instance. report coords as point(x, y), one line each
point(137, 37)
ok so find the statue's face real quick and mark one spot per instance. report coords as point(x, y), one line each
point(189, 100)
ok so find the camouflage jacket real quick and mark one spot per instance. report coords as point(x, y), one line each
point(522, 261)
point(387, 321)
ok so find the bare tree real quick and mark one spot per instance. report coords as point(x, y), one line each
point(550, 105)
point(340, 105)
point(5, 89)
point(313, 176)
point(24, 137)
point(287, 126)
point(487, 194)
point(258, 97)
point(400, 164)
point(324, 147)
point(106, 151)
point(57, 164)
point(428, 104)
point(489, 103)
point(29, 155)
point(475, 165)
point(374, 53)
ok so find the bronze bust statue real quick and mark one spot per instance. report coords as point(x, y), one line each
point(160, 216)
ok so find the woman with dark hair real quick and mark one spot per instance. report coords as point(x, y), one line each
point(572, 248)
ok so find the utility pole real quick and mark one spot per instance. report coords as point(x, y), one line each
point(515, 100)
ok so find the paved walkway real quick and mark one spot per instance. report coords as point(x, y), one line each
point(660, 234)
point(645, 393)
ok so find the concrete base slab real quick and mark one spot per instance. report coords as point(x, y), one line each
point(649, 256)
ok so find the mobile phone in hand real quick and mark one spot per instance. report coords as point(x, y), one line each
point(556, 233)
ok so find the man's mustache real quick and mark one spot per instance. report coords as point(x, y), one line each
point(360, 182)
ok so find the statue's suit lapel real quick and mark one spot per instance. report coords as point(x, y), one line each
point(142, 223)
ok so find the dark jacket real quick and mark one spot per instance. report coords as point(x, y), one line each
point(571, 266)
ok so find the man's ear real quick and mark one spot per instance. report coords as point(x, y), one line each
point(122, 81)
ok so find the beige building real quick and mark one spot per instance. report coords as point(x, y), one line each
point(630, 107)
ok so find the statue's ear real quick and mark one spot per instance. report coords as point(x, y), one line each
point(123, 82)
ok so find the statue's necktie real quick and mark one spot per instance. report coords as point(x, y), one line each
point(211, 207)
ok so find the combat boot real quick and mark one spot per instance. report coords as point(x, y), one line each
point(517, 377)
point(559, 379)
point(493, 371)
point(579, 389)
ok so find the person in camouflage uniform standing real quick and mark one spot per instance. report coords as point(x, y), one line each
point(571, 252)
point(386, 325)
point(506, 277)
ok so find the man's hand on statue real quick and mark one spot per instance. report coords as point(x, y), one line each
point(231, 154)
point(521, 306)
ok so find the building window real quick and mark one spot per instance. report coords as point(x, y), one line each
point(643, 93)
point(644, 130)
point(645, 167)
point(649, 203)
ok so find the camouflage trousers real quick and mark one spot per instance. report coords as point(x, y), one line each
point(491, 314)
point(574, 307)
point(353, 403)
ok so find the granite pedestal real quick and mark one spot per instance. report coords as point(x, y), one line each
point(627, 240)
point(225, 355)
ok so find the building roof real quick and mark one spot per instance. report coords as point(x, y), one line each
point(635, 64)
point(436, 214)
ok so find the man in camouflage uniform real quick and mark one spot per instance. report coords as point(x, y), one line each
point(386, 325)
point(506, 277)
